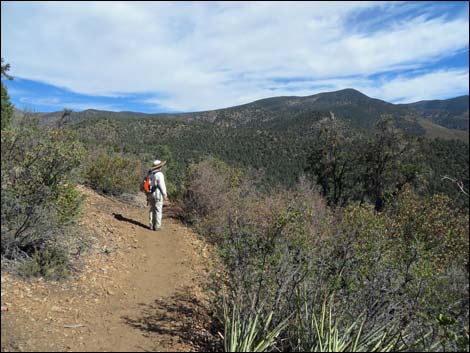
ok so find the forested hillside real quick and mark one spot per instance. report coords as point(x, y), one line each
point(280, 146)
point(450, 113)
point(298, 113)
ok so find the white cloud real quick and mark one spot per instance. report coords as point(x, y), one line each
point(440, 84)
point(204, 56)
point(443, 83)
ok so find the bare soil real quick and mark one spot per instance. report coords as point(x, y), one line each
point(136, 290)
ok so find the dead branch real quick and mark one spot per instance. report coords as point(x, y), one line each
point(459, 183)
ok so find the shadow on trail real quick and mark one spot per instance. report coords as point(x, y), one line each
point(121, 218)
point(178, 319)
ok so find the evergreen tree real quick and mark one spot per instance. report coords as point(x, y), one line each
point(331, 161)
point(382, 156)
point(7, 106)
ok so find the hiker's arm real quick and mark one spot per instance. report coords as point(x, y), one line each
point(161, 184)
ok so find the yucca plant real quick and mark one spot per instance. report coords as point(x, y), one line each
point(325, 334)
point(250, 333)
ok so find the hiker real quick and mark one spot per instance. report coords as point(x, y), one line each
point(156, 193)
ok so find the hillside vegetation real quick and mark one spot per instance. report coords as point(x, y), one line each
point(281, 150)
point(372, 232)
point(330, 216)
point(298, 113)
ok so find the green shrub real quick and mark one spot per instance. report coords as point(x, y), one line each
point(69, 203)
point(112, 173)
point(51, 262)
point(399, 269)
point(38, 198)
point(430, 254)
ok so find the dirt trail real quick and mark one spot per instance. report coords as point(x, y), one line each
point(138, 290)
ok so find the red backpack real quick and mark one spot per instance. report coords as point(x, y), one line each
point(147, 184)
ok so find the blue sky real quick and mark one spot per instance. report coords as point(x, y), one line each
point(192, 56)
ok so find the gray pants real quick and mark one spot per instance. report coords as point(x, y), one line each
point(156, 212)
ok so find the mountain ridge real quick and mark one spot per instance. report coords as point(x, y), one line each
point(425, 104)
point(299, 112)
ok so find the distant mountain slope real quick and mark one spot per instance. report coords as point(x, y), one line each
point(282, 112)
point(434, 130)
point(451, 113)
point(431, 118)
point(90, 114)
point(299, 114)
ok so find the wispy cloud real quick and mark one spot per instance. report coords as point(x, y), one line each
point(405, 89)
point(195, 56)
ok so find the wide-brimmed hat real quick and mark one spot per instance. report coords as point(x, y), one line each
point(157, 164)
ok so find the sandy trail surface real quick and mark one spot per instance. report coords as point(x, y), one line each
point(136, 290)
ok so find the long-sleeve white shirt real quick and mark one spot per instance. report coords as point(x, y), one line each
point(160, 181)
